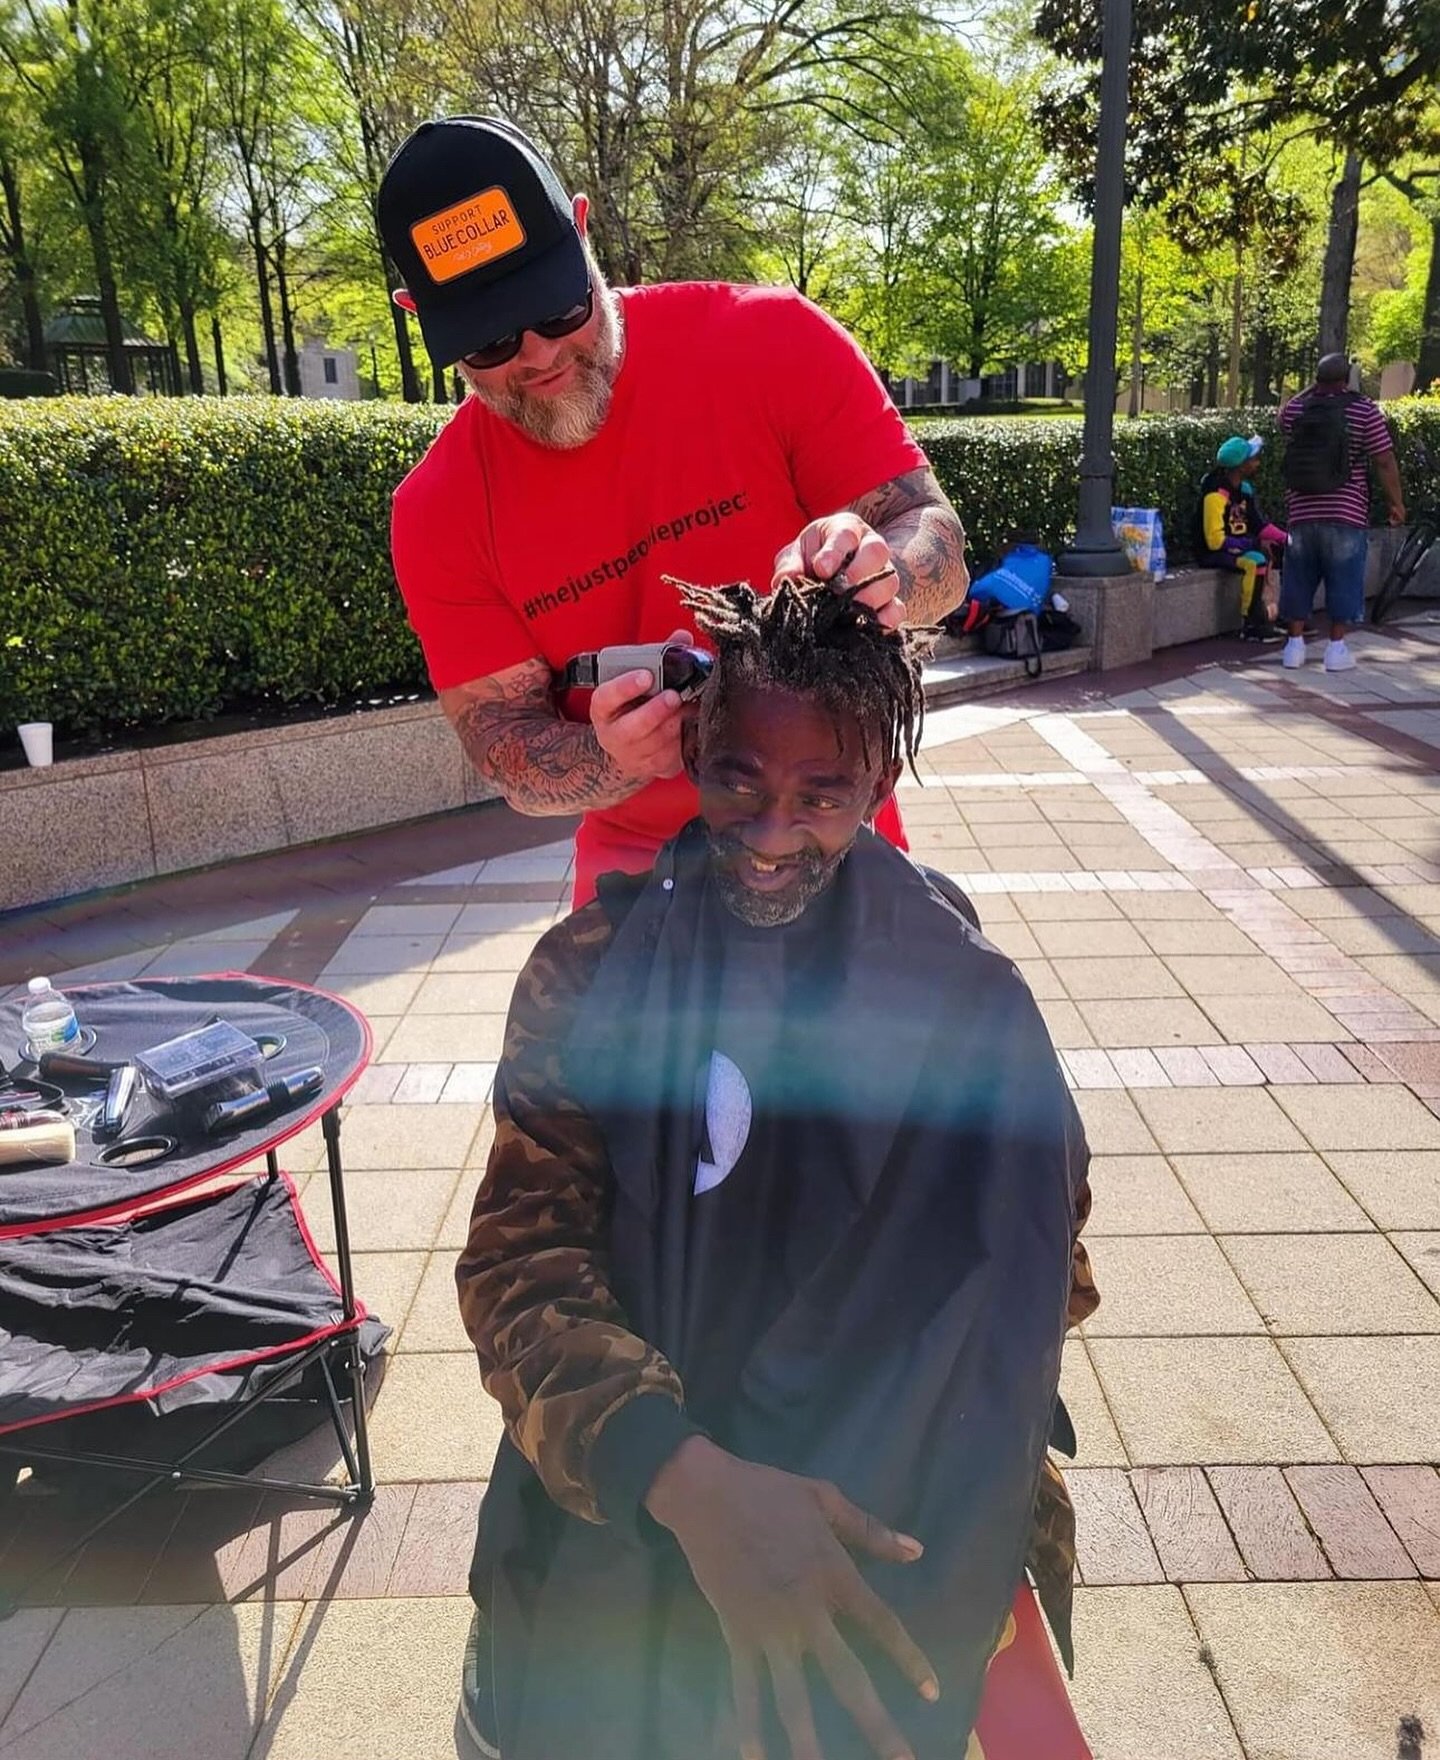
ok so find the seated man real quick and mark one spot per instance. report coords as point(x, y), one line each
point(770, 1271)
point(1235, 534)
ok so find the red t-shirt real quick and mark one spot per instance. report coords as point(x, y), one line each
point(739, 414)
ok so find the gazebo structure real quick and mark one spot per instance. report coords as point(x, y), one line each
point(75, 346)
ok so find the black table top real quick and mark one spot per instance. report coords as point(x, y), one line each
point(317, 1029)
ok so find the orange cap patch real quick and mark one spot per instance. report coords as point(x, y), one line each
point(468, 234)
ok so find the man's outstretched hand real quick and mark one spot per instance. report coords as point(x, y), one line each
point(769, 1552)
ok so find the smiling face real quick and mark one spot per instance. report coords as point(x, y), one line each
point(784, 787)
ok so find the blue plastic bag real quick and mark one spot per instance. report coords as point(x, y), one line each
point(1020, 581)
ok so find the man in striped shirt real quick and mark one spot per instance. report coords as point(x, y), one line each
point(1332, 434)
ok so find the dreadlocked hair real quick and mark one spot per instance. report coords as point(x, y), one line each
point(818, 641)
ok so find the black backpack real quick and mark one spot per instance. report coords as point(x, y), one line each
point(1317, 454)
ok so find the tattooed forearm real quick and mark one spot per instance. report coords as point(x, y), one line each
point(514, 737)
point(924, 532)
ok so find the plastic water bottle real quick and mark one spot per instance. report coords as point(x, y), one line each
point(48, 1019)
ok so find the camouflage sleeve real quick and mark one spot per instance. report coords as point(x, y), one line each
point(1084, 1297)
point(554, 1347)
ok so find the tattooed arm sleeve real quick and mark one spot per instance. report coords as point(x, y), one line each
point(555, 1348)
point(515, 737)
point(913, 514)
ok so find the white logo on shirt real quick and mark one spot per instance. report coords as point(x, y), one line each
point(728, 1112)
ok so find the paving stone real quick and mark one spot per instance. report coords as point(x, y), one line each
point(1379, 1397)
point(1065, 1025)
point(1217, 1120)
point(1015, 940)
point(505, 919)
point(372, 994)
point(1113, 1545)
point(152, 1683)
point(1040, 979)
point(1244, 1019)
point(1066, 907)
point(1154, 1022)
point(1087, 980)
point(1410, 1498)
point(1413, 1062)
point(1274, 1538)
point(1091, 1069)
point(1138, 1195)
point(1186, 1067)
point(1328, 1064)
point(1316, 1671)
point(447, 1038)
point(1098, 1442)
point(375, 1137)
point(380, 956)
point(1186, 1526)
point(1141, 1690)
point(388, 1210)
point(1225, 1400)
point(1399, 1188)
point(378, 1678)
point(1206, 936)
point(439, 1539)
point(421, 1084)
point(469, 1082)
point(1360, 1118)
point(1348, 1522)
point(356, 1557)
point(1268, 1194)
point(1090, 940)
point(480, 951)
point(1113, 1126)
point(1203, 976)
point(433, 1420)
point(26, 1635)
point(1164, 1286)
point(1321, 1284)
point(1233, 1066)
point(461, 993)
point(433, 1323)
point(407, 919)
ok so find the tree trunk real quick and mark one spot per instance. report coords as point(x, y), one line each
point(1260, 370)
point(192, 349)
point(23, 269)
point(439, 384)
point(218, 342)
point(1427, 367)
point(267, 312)
point(116, 360)
point(1340, 259)
point(410, 388)
point(1212, 370)
point(1137, 345)
point(287, 318)
point(1232, 376)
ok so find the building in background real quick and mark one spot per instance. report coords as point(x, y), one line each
point(329, 372)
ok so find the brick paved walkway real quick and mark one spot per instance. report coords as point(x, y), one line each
point(1223, 884)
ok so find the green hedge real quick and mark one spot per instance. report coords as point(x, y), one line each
point(169, 560)
point(1023, 476)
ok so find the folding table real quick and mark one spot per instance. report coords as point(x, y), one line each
point(180, 1284)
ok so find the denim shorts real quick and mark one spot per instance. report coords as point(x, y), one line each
point(1324, 550)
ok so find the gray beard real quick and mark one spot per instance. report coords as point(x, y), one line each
point(569, 421)
point(771, 910)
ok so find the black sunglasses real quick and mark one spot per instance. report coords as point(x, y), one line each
point(505, 348)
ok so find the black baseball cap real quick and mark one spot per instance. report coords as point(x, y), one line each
point(482, 231)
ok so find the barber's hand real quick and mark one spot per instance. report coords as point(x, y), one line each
point(768, 1551)
point(640, 735)
point(843, 542)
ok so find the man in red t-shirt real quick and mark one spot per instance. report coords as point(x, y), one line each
point(617, 437)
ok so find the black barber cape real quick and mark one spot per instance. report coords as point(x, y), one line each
point(845, 1164)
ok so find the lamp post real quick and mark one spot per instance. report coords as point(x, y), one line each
point(1095, 550)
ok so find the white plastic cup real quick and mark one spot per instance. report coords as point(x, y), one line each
point(38, 739)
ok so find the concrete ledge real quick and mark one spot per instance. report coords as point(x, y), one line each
point(93, 822)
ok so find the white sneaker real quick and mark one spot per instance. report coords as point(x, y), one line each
point(1338, 658)
point(1293, 653)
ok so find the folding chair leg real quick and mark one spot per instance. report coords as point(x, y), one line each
point(330, 1127)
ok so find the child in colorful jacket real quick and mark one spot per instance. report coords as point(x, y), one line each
point(1235, 534)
